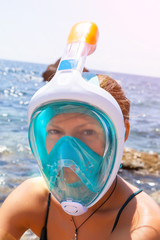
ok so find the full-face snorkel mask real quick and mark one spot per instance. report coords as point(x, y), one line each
point(76, 128)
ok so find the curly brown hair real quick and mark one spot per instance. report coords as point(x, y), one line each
point(111, 86)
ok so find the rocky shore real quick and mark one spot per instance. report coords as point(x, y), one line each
point(143, 162)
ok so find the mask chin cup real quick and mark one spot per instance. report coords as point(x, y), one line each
point(73, 208)
point(74, 152)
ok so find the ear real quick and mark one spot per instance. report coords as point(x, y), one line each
point(127, 127)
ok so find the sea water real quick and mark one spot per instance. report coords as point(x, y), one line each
point(19, 81)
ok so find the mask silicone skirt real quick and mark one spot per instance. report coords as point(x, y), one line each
point(75, 147)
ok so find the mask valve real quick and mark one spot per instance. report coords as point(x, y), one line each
point(73, 208)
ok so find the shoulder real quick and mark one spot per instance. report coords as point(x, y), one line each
point(34, 189)
point(140, 218)
point(28, 193)
point(25, 206)
point(147, 219)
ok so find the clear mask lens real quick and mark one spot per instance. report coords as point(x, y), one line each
point(75, 146)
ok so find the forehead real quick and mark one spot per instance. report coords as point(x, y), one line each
point(78, 118)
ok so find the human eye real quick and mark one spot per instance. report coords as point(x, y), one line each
point(53, 131)
point(89, 132)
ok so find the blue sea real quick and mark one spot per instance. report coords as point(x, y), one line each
point(20, 80)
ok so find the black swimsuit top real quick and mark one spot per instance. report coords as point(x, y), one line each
point(44, 229)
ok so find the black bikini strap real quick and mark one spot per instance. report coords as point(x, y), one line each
point(49, 198)
point(123, 206)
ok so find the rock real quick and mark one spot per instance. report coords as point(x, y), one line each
point(51, 70)
point(143, 162)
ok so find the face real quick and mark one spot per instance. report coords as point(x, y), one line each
point(78, 125)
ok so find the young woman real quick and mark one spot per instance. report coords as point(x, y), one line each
point(79, 148)
point(77, 128)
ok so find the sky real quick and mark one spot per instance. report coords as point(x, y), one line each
point(129, 32)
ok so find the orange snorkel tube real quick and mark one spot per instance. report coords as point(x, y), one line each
point(81, 42)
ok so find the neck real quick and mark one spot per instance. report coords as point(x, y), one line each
point(98, 207)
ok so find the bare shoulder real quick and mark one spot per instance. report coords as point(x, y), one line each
point(147, 219)
point(31, 191)
point(24, 206)
point(35, 187)
point(140, 218)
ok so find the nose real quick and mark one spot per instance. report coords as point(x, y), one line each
point(69, 132)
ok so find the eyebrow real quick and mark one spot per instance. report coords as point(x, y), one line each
point(79, 126)
point(52, 125)
point(90, 121)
